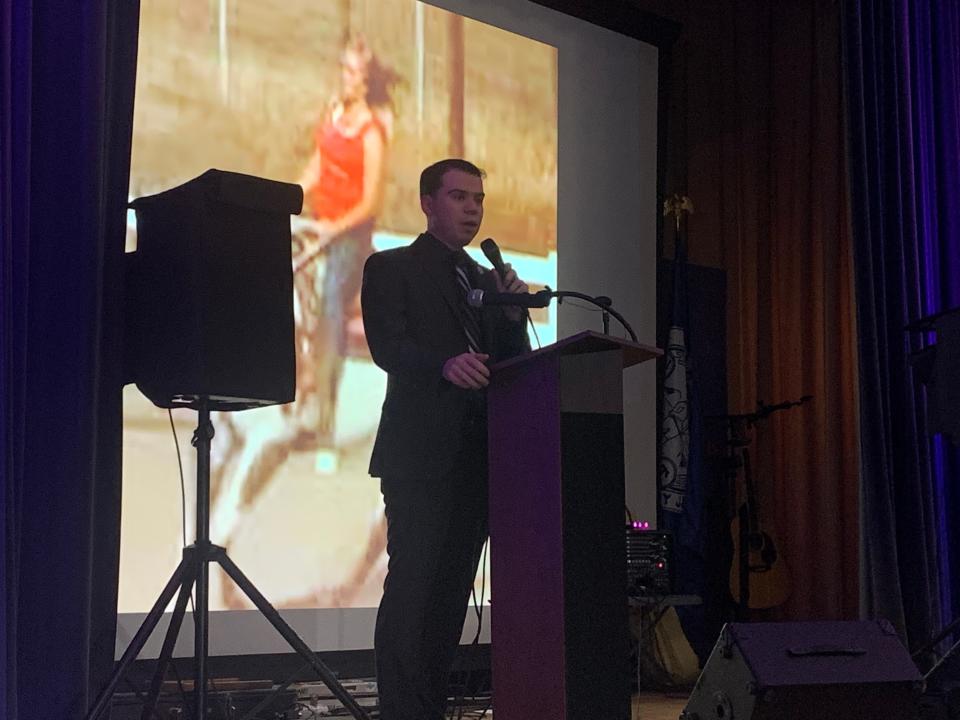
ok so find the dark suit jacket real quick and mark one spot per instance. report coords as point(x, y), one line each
point(412, 309)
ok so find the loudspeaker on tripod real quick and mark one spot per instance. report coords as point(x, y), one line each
point(827, 670)
point(210, 293)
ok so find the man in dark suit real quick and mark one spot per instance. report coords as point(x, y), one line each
point(431, 446)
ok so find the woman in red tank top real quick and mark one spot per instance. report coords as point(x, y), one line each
point(343, 185)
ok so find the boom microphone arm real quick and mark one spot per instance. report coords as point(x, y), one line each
point(479, 298)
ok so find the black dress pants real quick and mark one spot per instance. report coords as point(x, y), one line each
point(435, 532)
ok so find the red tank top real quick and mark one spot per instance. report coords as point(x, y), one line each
point(341, 169)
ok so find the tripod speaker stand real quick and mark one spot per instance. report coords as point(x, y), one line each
point(210, 327)
point(193, 570)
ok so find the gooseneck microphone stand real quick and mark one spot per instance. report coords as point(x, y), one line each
point(194, 570)
point(542, 298)
point(601, 301)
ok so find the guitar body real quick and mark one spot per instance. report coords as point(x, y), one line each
point(769, 577)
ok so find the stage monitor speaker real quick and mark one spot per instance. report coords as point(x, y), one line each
point(210, 293)
point(828, 670)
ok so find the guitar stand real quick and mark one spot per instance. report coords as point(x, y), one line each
point(194, 570)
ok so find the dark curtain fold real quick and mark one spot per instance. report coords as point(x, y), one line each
point(67, 107)
point(902, 73)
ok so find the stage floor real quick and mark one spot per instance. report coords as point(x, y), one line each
point(658, 706)
point(646, 706)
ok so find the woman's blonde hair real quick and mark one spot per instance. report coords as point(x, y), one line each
point(381, 78)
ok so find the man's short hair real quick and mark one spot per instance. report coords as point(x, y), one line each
point(431, 179)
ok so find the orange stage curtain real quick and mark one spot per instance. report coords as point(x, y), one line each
point(756, 139)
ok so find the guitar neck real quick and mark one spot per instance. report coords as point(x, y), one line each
point(752, 504)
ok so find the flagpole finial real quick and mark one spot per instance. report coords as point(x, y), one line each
point(677, 205)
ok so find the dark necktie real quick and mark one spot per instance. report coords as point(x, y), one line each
point(471, 319)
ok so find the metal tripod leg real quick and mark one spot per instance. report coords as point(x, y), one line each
point(140, 639)
point(281, 626)
point(947, 657)
point(253, 712)
point(196, 564)
point(173, 630)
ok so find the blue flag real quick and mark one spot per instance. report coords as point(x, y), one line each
point(681, 467)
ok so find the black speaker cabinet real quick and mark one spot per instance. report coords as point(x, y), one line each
point(210, 293)
point(832, 670)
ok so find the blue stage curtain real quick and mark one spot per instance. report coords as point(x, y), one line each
point(902, 71)
point(66, 109)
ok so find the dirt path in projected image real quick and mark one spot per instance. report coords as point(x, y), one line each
point(309, 530)
point(306, 531)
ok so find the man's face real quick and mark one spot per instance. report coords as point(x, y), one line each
point(455, 210)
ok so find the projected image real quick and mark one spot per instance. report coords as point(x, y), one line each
point(350, 99)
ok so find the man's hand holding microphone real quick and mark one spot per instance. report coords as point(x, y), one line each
point(468, 370)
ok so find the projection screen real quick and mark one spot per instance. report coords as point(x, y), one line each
point(562, 117)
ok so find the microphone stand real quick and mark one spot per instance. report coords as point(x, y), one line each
point(601, 301)
point(542, 299)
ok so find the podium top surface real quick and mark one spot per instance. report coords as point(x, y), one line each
point(585, 342)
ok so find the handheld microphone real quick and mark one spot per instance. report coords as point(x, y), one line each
point(479, 298)
point(492, 251)
point(525, 301)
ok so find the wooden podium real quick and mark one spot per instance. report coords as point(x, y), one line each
point(560, 640)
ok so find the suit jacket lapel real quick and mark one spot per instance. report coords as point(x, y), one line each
point(436, 276)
